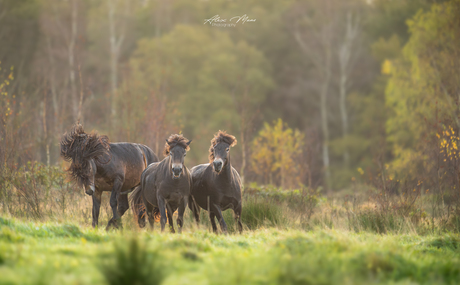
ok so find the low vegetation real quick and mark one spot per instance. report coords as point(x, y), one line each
point(300, 236)
point(50, 253)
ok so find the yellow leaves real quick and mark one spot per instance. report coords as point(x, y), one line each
point(275, 152)
point(360, 170)
point(386, 67)
point(448, 143)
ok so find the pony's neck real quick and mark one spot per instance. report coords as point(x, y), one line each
point(168, 163)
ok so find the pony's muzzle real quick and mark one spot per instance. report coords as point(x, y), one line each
point(177, 170)
point(90, 190)
point(218, 163)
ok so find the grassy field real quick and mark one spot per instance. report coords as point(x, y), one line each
point(59, 253)
point(290, 237)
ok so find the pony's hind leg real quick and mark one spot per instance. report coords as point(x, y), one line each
point(151, 217)
point(150, 214)
point(96, 207)
point(237, 212)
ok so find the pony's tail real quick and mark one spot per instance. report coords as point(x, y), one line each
point(139, 209)
point(156, 214)
point(137, 206)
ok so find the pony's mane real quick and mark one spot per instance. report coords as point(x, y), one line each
point(78, 148)
point(175, 140)
point(220, 136)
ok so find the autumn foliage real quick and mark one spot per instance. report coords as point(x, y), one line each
point(276, 153)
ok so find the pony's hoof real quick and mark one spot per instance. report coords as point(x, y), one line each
point(114, 224)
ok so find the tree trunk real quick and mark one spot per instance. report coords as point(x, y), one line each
point(324, 115)
point(113, 60)
point(73, 38)
point(346, 50)
point(343, 114)
point(243, 153)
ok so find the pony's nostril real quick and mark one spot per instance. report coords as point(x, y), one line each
point(217, 165)
point(177, 170)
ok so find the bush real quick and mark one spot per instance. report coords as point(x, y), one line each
point(36, 191)
point(132, 263)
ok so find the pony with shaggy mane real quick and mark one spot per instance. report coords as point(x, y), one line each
point(136, 200)
point(217, 185)
point(220, 136)
point(176, 140)
point(100, 166)
point(78, 147)
point(165, 185)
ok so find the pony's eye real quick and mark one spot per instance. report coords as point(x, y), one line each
point(228, 149)
point(185, 154)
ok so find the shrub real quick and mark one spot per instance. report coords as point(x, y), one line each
point(132, 263)
point(36, 191)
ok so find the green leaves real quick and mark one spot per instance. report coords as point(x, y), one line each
point(420, 91)
point(208, 81)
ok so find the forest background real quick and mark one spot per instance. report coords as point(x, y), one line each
point(318, 93)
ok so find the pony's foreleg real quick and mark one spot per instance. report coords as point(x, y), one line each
point(170, 217)
point(96, 207)
point(180, 214)
point(114, 203)
point(237, 212)
point(123, 204)
point(212, 217)
point(220, 218)
point(162, 207)
point(195, 209)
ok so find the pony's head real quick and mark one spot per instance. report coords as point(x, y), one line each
point(83, 151)
point(219, 151)
point(176, 147)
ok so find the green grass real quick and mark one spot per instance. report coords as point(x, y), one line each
point(47, 253)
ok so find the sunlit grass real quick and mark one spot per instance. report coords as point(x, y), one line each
point(45, 253)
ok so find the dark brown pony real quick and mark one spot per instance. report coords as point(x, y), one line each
point(165, 185)
point(217, 185)
point(98, 166)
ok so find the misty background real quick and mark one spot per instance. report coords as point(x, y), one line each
point(317, 93)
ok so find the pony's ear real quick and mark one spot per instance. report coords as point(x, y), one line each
point(189, 142)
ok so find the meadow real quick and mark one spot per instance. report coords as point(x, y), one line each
point(53, 253)
point(289, 237)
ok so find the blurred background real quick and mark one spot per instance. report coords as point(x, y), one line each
point(318, 93)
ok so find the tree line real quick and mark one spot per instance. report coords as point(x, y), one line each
point(317, 92)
